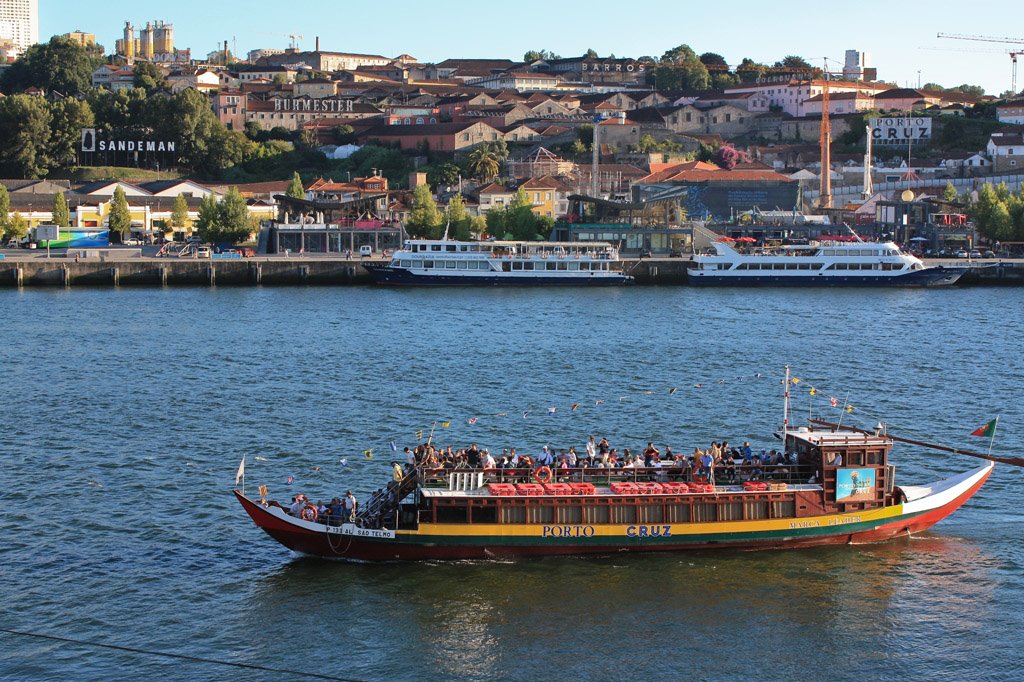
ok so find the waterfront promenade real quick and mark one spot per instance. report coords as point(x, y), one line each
point(126, 267)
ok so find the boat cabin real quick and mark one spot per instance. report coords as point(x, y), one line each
point(852, 468)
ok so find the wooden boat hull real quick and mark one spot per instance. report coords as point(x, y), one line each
point(924, 508)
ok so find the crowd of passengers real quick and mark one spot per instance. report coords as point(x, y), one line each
point(719, 462)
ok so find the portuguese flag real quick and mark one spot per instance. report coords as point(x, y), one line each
point(986, 431)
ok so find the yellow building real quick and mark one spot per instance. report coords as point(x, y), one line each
point(550, 198)
point(83, 39)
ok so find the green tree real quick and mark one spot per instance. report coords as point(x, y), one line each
point(680, 69)
point(149, 77)
point(5, 208)
point(295, 189)
point(535, 55)
point(591, 53)
point(61, 65)
point(483, 163)
point(68, 117)
point(16, 227)
point(424, 218)
point(646, 144)
point(205, 147)
point(714, 59)
point(949, 193)
point(59, 214)
point(120, 219)
point(235, 225)
point(461, 224)
point(207, 225)
point(24, 136)
point(749, 71)
point(179, 213)
point(444, 175)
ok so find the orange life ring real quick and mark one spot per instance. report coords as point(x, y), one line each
point(308, 513)
point(542, 475)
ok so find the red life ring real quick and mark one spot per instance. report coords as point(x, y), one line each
point(308, 513)
point(542, 475)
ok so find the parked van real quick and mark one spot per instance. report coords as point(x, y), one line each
point(365, 251)
point(203, 252)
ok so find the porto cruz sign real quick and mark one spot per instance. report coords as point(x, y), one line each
point(91, 142)
point(901, 131)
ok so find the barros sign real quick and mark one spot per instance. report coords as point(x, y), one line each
point(330, 105)
point(901, 131)
point(612, 65)
point(91, 143)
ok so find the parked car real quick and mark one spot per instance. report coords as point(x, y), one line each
point(365, 251)
point(975, 254)
point(961, 254)
point(204, 252)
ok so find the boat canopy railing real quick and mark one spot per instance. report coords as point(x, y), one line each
point(722, 474)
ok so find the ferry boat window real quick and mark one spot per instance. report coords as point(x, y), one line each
point(487, 514)
point(779, 266)
point(678, 513)
point(463, 265)
point(855, 459)
point(552, 266)
point(730, 511)
point(513, 515)
point(449, 247)
point(574, 266)
point(452, 514)
point(527, 266)
point(622, 513)
point(783, 509)
point(517, 265)
point(435, 247)
point(428, 264)
point(651, 513)
point(406, 263)
point(569, 514)
point(875, 457)
point(561, 265)
point(754, 510)
point(705, 512)
point(540, 515)
point(595, 514)
point(805, 266)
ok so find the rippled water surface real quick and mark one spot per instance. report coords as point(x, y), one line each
point(125, 413)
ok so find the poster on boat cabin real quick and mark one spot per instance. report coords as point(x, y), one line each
point(855, 485)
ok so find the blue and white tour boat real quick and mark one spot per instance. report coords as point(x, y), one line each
point(823, 264)
point(445, 262)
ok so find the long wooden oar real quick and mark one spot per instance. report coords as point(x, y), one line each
point(1014, 461)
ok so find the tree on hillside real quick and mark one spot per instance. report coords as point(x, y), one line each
point(749, 71)
point(714, 59)
point(68, 117)
point(535, 55)
point(24, 136)
point(794, 62)
point(484, 162)
point(226, 221)
point(205, 146)
point(5, 208)
point(680, 69)
point(295, 189)
point(120, 219)
point(179, 213)
point(59, 214)
point(949, 193)
point(424, 218)
point(461, 224)
point(445, 174)
point(591, 53)
point(60, 65)
point(149, 77)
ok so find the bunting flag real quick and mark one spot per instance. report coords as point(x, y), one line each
point(795, 381)
point(446, 425)
point(698, 385)
point(419, 435)
point(263, 492)
point(471, 420)
point(394, 446)
point(501, 414)
point(343, 462)
point(813, 391)
point(648, 392)
point(574, 407)
point(672, 391)
point(368, 454)
point(526, 413)
point(834, 402)
point(289, 480)
point(599, 402)
point(849, 409)
point(240, 474)
point(986, 431)
point(552, 410)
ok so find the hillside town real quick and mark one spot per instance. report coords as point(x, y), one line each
point(331, 151)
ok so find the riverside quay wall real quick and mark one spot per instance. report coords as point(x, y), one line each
point(298, 271)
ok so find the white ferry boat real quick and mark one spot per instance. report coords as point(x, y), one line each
point(443, 262)
point(825, 264)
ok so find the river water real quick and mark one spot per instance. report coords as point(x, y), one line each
point(127, 411)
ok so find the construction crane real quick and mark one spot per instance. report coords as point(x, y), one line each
point(994, 39)
point(295, 40)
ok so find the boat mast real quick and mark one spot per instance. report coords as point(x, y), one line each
point(785, 410)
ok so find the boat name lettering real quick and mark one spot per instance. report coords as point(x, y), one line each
point(804, 524)
point(649, 531)
point(567, 532)
point(843, 520)
point(349, 529)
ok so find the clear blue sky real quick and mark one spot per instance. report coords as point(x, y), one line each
point(892, 33)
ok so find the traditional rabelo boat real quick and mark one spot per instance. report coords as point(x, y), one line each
point(841, 489)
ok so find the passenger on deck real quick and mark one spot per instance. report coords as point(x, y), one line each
point(591, 448)
point(410, 459)
point(488, 460)
point(350, 506)
point(649, 452)
point(397, 473)
point(298, 502)
point(602, 449)
point(334, 518)
point(706, 461)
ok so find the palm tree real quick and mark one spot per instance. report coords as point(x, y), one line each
point(483, 163)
